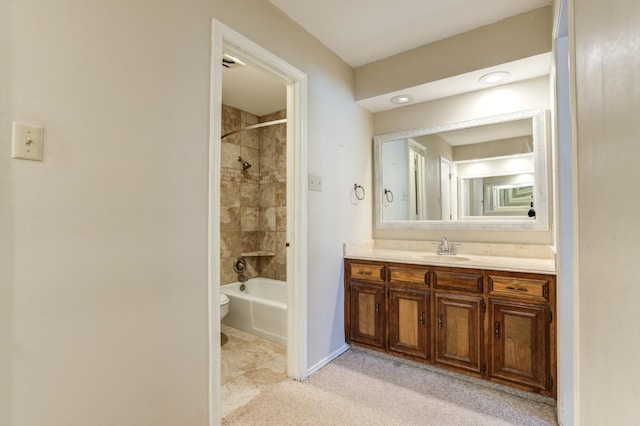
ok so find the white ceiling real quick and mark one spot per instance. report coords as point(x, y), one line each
point(363, 31)
point(253, 90)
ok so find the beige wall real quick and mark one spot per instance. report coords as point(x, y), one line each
point(107, 266)
point(607, 132)
point(498, 148)
point(520, 96)
point(514, 38)
point(103, 246)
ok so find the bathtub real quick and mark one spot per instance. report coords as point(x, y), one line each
point(261, 309)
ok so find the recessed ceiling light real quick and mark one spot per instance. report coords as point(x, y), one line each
point(494, 77)
point(401, 99)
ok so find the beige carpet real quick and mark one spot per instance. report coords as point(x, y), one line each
point(361, 388)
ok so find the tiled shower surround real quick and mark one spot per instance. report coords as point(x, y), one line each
point(253, 201)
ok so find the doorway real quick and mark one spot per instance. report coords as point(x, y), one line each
point(227, 40)
point(417, 178)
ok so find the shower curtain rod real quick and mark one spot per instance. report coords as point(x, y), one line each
point(255, 126)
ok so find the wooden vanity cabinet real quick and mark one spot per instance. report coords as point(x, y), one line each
point(408, 305)
point(368, 314)
point(490, 324)
point(459, 332)
point(459, 318)
point(521, 344)
point(366, 311)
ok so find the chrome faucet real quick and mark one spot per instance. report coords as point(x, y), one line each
point(444, 248)
point(239, 266)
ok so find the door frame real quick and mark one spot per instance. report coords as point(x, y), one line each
point(446, 163)
point(296, 82)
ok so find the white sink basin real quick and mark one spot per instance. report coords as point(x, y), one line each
point(444, 259)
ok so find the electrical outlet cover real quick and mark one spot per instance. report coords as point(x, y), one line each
point(315, 183)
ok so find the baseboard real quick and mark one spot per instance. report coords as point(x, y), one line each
point(328, 359)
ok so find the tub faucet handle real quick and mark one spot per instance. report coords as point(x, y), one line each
point(239, 265)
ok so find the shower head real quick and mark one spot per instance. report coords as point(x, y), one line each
point(245, 164)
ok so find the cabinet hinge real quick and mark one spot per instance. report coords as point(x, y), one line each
point(550, 317)
point(484, 367)
point(484, 307)
point(550, 383)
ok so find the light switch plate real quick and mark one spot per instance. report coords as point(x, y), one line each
point(315, 183)
point(27, 142)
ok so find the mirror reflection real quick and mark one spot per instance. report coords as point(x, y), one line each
point(497, 195)
point(486, 170)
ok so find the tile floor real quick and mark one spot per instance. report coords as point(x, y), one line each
point(250, 365)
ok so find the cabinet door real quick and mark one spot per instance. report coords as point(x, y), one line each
point(408, 324)
point(367, 313)
point(459, 331)
point(519, 344)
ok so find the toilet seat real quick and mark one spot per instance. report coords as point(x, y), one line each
point(224, 305)
point(223, 299)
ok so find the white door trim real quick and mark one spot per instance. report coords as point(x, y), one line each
point(445, 186)
point(296, 205)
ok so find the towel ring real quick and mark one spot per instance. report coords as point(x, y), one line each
point(359, 191)
point(387, 196)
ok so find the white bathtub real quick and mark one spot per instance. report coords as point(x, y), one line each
point(261, 309)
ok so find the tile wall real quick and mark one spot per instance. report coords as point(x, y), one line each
point(253, 201)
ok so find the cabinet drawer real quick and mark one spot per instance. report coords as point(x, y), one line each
point(519, 287)
point(367, 272)
point(409, 277)
point(468, 281)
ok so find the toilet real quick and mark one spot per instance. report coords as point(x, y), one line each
point(224, 305)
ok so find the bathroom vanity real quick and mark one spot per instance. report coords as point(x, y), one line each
point(491, 317)
point(490, 310)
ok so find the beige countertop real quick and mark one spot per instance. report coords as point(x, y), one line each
point(462, 260)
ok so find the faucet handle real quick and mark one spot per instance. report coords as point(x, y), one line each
point(239, 265)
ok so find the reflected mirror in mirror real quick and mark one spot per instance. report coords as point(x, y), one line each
point(496, 196)
point(489, 170)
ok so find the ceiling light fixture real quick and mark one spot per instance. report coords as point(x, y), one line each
point(231, 61)
point(494, 77)
point(402, 99)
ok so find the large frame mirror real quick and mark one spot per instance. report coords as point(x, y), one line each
point(483, 174)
